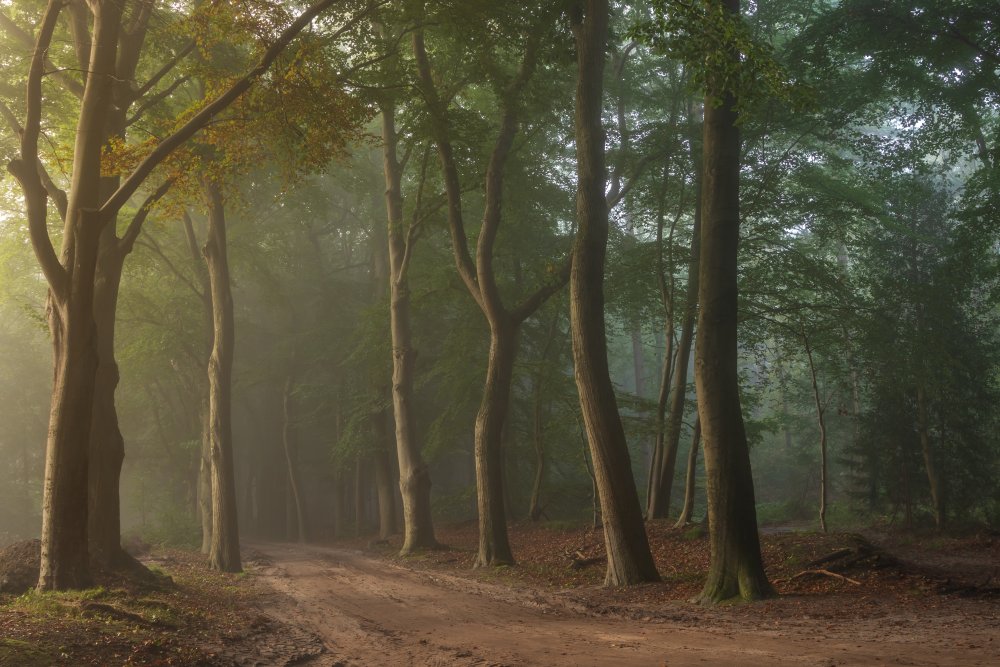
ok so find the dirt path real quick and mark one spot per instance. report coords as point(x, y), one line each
point(369, 612)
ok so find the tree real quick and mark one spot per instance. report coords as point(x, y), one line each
point(481, 279)
point(629, 557)
point(71, 277)
point(414, 478)
point(736, 569)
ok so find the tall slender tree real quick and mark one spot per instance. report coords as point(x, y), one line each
point(481, 279)
point(736, 569)
point(71, 275)
point(626, 543)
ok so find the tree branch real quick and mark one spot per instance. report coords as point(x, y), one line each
point(156, 99)
point(25, 169)
point(542, 294)
point(68, 82)
point(127, 241)
point(188, 130)
point(440, 132)
point(163, 71)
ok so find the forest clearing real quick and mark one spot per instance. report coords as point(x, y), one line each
point(465, 332)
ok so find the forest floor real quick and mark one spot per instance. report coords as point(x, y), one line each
point(881, 600)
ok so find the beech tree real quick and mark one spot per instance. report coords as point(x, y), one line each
point(626, 543)
point(71, 275)
point(480, 275)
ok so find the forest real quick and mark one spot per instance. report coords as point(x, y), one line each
point(653, 325)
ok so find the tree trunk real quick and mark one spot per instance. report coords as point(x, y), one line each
point(205, 456)
point(382, 388)
point(629, 557)
point(736, 569)
point(64, 552)
point(65, 548)
point(659, 504)
point(689, 479)
point(821, 421)
point(414, 478)
point(291, 446)
point(360, 514)
point(107, 447)
point(494, 544)
point(383, 483)
point(224, 553)
point(535, 510)
point(933, 480)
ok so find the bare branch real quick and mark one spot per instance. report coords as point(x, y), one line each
point(127, 241)
point(24, 37)
point(188, 130)
point(542, 294)
point(156, 99)
point(151, 245)
point(439, 128)
point(163, 71)
point(25, 169)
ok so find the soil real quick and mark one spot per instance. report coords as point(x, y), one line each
point(371, 607)
point(845, 599)
point(19, 565)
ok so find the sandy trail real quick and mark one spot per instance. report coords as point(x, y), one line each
point(370, 612)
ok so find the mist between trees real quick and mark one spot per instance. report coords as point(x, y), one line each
point(352, 268)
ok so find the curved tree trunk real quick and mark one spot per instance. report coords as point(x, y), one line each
point(494, 544)
point(629, 557)
point(689, 479)
point(736, 569)
point(224, 553)
point(659, 503)
point(480, 280)
point(65, 504)
point(821, 421)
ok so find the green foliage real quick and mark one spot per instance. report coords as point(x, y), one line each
point(720, 51)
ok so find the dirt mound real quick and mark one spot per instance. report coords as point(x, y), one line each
point(19, 565)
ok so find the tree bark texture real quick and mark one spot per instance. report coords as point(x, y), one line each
point(65, 504)
point(107, 446)
point(736, 569)
point(494, 544)
point(629, 557)
point(414, 477)
point(224, 553)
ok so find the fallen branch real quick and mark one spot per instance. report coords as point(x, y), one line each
point(824, 573)
point(580, 563)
